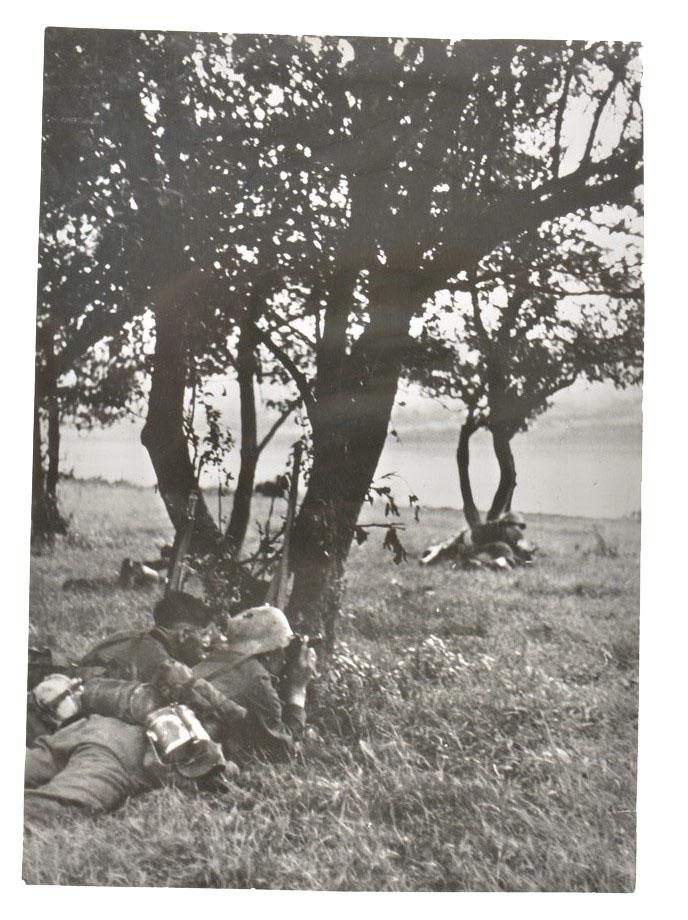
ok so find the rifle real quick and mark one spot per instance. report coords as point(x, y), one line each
point(279, 585)
point(175, 579)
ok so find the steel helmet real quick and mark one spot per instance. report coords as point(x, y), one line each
point(258, 630)
point(514, 519)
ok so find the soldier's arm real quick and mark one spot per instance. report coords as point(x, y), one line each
point(277, 727)
point(132, 701)
point(281, 722)
point(202, 697)
point(124, 657)
point(148, 657)
point(294, 688)
point(127, 700)
point(294, 711)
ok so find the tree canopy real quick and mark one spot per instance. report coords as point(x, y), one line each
point(315, 194)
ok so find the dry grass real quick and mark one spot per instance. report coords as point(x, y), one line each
point(498, 755)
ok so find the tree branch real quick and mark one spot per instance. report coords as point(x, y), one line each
point(529, 403)
point(477, 316)
point(274, 428)
point(510, 315)
point(633, 99)
point(560, 292)
point(299, 378)
point(520, 210)
point(575, 59)
point(616, 79)
point(559, 120)
point(297, 332)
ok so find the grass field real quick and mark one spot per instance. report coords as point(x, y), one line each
point(479, 733)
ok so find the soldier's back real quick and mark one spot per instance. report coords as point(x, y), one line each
point(131, 655)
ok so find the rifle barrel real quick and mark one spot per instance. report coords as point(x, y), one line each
point(277, 592)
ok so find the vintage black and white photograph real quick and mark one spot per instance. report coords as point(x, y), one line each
point(335, 508)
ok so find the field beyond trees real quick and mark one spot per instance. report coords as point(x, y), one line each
point(477, 731)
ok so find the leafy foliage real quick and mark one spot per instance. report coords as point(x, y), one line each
point(211, 448)
point(253, 163)
point(270, 180)
point(563, 299)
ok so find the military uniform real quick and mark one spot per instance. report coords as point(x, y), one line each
point(91, 765)
point(272, 727)
point(94, 764)
point(128, 656)
point(485, 536)
point(98, 761)
point(125, 656)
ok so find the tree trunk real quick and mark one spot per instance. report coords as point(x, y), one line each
point(470, 511)
point(39, 507)
point(501, 440)
point(53, 472)
point(502, 425)
point(46, 520)
point(163, 433)
point(322, 536)
point(241, 507)
point(355, 395)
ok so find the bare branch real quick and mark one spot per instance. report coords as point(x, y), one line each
point(297, 332)
point(617, 77)
point(561, 109)
point(575, 59)
point(561, 292)
point(299, 378)
point(274, 428)
point(386, 526)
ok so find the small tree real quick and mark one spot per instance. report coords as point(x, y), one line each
point(109, 236)
point(537, 315)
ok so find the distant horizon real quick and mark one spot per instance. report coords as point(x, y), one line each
point(581, 459)
point(127, 484)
